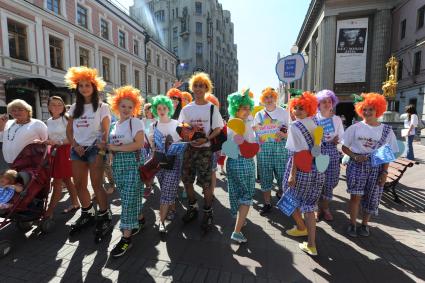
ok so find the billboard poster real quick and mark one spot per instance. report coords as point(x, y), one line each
point(351, 50)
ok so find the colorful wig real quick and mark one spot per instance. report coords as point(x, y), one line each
point(307, 100)
point(212, 98)
point(326, 93)
point(267, 92)
point(129, 93)
point(75, 75)
point(187, 96)
point(203, 78)
point(250, 93)
point(372, 99)
point(236, 100)
point(162, 100)
point(175, 92)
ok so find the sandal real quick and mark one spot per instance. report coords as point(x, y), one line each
point(70, 209)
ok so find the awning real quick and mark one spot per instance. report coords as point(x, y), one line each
point(42, 84)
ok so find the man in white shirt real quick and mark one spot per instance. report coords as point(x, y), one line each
point(197, 158)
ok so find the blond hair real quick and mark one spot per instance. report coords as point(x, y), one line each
point(11, 175)
point(19, 103)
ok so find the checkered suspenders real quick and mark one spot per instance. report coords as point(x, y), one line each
point(305, 133)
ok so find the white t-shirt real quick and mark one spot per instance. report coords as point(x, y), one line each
point(122, 134)
point(199, 115)
point(296, 141)
point(336, 128)
point(15, 137)
point(361, 138)
point(249, 134)
point(88, 127)
point(278, 114)
point(166, 129)
point(413, 121)
point(56, 128)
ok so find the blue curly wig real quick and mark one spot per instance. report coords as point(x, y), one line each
point(162, 100)
point(236, 100)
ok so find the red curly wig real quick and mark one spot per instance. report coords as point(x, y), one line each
point(74, 75)
point(186, 96)
point(374, 100)
point(175, 92)
point(129, 93)
point(267, 92)
point(212, 98)
point(307, 100)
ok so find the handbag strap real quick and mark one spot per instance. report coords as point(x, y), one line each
point(211, 116)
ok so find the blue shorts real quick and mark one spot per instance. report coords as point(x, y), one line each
point(89, 155)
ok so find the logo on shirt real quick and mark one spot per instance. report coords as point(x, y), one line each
point(368, 142)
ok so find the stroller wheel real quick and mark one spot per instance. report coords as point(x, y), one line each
point(24, 226)
point(5, 248)
point(47, 225)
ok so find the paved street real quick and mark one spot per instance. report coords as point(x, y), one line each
point(395, 252)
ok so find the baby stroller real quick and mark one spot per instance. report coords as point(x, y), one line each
point(28, 207)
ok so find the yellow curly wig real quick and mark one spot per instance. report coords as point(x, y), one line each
point(307, 100)
point(213, 99)
point(186, 96)
point(267, 92)
point(126, 92)
point(203, 78)
point(76, 74)
point(374, 100)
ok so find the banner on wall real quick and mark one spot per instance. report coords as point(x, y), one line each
point(351, 50)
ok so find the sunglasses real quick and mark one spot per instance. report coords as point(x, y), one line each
point(199, 85)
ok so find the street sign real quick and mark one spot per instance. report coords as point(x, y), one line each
point(290, 68)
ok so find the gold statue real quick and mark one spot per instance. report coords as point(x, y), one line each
point(389, 87)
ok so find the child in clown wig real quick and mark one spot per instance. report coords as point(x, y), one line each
point(365, 182)
point(240, 171)
point(305, 187)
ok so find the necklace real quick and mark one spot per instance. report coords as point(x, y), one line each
point(14, 133)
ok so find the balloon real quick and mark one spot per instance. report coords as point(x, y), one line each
point(322, 163)
point(236, 125)
point(238, 139)
point(303, 160)
point(249, 150)
point(256, 109)
point(318, 135)
point(401, 149)
point(231, 149)
point(316, 151)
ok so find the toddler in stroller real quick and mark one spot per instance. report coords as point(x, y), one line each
point(8, 186)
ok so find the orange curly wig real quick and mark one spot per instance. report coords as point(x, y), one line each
point(201, 78)
point(186, 96)
point(213, 99)
point(175, 92)
point(76, 74)
point(268, 91)
point(250, 93)
point(374, 100)
point(307, 100)
point(126, 92)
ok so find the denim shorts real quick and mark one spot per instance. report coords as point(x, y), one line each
point(89, 156)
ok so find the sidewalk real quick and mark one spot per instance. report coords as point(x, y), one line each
point(395, 251)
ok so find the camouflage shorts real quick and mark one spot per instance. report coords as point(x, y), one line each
point(197, 164)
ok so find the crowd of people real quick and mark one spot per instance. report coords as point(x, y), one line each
point(177, 139)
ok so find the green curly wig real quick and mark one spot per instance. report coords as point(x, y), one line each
point(236, 100)
point(162, 100)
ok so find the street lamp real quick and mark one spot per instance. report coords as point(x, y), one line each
point(294, 49)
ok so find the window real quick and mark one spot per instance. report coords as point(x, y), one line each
point(421, 17)
point(56, 52)
point(149, 84)
point(413, 101)
point(84, 57)
point(104, 29)
point(175, 33)
point(417, 63)
point(136, 79)
point(173, 14)
point(82, 18)
point(158, 86)
point(149, 55)
point(106, 69)
point(175, 50)
point(198, 8)
point(400, 70)
point(173, 68)
point(158, 60)
point(151, 6)
point(199, 28)
point(165, 86)
point(136, 47)
point(403, 29)
point(199, 48)
point(166, 64)
point(177, 12)
point(160, 16)
point(54, 6)
point(123, 74)
point(121, 39)
point(17, 40)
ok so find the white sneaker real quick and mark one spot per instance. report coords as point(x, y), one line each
point(161, 228)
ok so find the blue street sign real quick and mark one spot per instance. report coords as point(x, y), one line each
point(290, 68)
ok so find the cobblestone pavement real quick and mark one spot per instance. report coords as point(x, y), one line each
point(395, 251)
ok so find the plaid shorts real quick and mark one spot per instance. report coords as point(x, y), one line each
point(240, 182)
point(332, 173)
point(272, 160)
point(169, 181)
point(125, 170)
point(197, 165)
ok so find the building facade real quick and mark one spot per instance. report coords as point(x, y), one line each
point(200, 33)
point(41, 39)
point(348, 45)
point(408, 45)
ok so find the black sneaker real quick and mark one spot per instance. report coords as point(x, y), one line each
point(364, 231)
point(352, 230)
point(265, 209)
point(121, 248)
point(142, 223)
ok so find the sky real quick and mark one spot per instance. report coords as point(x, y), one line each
point(262, 29)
